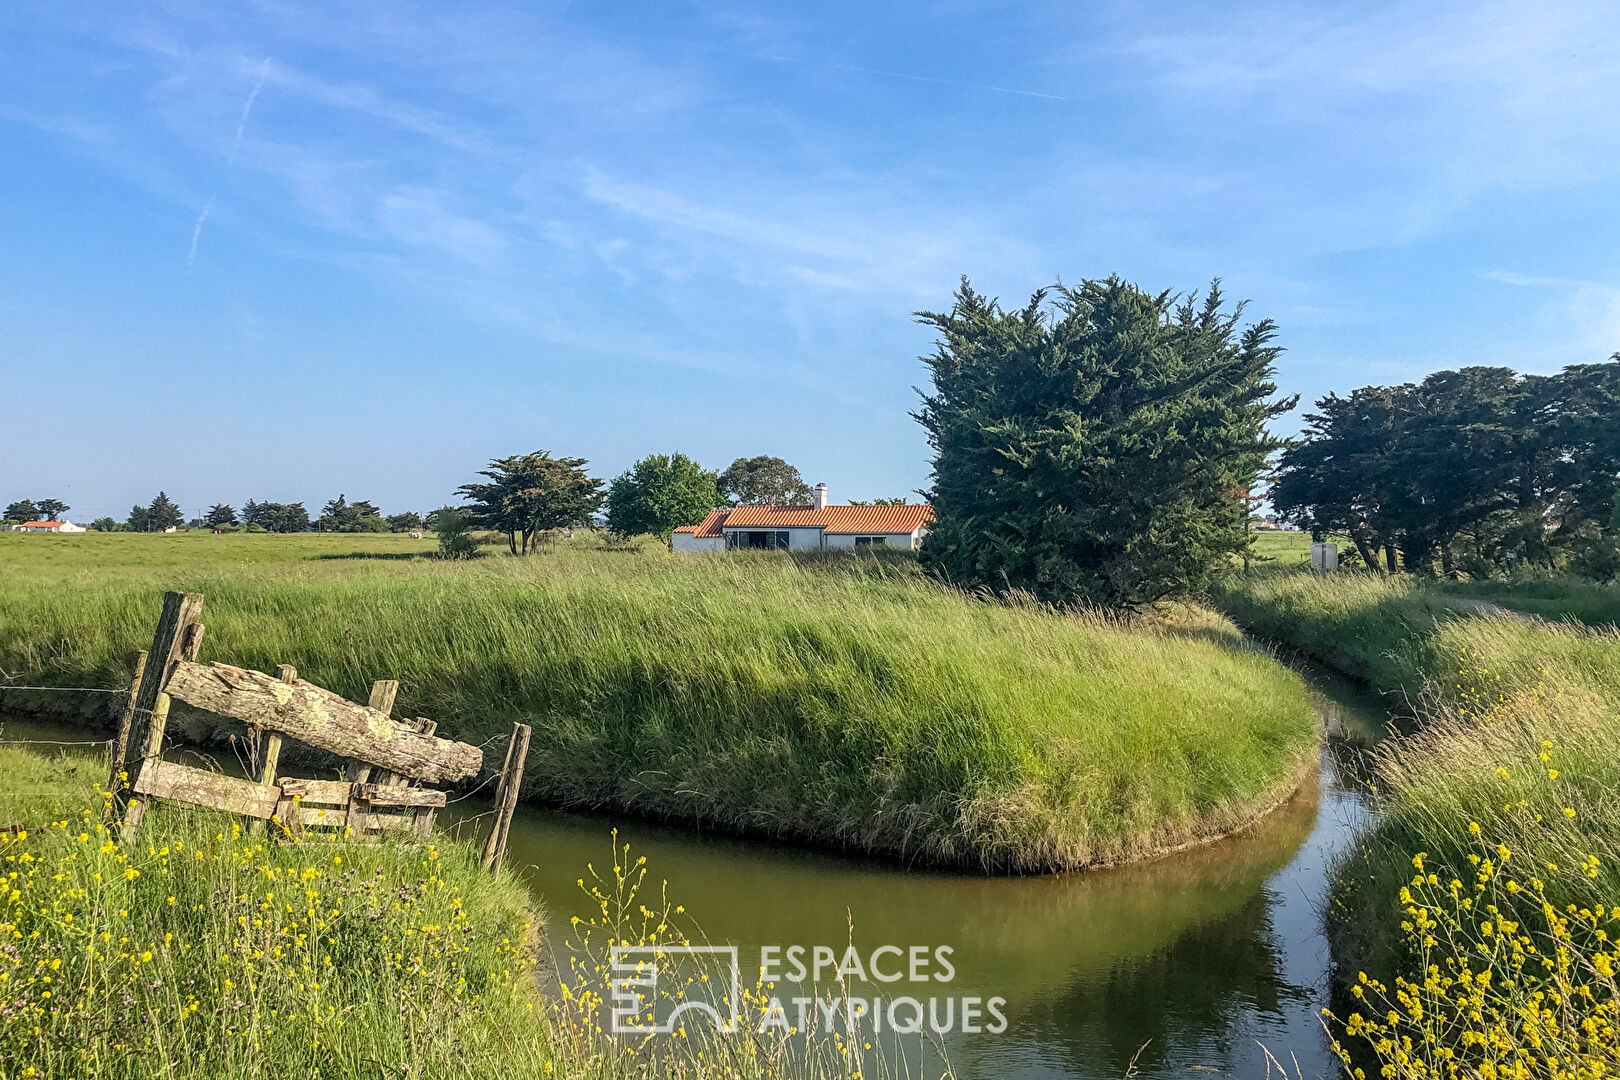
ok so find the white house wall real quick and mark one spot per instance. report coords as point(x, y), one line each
point(895, 540)
point(688, 542)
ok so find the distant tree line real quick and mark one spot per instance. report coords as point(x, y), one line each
point(31, 510)
point(1473, 471)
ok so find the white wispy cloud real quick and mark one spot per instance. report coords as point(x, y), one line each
point(196, 231)
point(247, 108)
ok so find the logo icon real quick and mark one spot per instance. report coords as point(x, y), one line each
point(683, 970)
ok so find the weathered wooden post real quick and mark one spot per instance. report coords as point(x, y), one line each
point(152, 750)
point(120, 747)
point(506, 795)
point(271, 744)
point(169, 643)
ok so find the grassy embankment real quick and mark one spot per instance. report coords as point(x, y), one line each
point(199, 952)
point(1506, 789)
point(846, 702)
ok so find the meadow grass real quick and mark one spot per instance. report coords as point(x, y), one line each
point(843, 701)
point(198, 951)
point(1403, 636)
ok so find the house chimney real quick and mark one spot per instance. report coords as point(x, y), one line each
point(821, 497)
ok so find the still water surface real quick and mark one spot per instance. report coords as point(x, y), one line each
point(1190, 964)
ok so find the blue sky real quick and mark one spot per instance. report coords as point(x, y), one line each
point(282, 251)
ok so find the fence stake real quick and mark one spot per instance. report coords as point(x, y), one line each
point(169, 643)
point(272, 748)
point(120, 748)
point(135, 808)
point(517, 751)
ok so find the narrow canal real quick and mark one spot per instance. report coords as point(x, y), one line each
point(1200, 962)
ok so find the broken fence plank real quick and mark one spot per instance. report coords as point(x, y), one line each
point(333, 792)
point(310, 714)
point(377, 795)
point(170, 780)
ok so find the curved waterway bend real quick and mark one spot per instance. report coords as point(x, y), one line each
point(1188, 964)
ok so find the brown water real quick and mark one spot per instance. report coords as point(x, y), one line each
point(1200, 962)
point(1189, 964)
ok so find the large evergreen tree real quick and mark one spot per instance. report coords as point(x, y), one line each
point(528, 493)
point(22, 510)
point(1088, 445)
point(660, 493)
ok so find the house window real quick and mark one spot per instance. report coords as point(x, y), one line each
point(869, 541)
point(757, 540)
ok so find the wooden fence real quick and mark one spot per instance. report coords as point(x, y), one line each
point(388, 761)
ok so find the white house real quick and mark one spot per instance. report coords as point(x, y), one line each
point(51, 527)
point(800, 528)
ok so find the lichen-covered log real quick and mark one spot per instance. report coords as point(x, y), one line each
point(304, 711)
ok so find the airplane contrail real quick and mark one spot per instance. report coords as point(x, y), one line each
point(230, 160)
point(196, 232)
point(247, 107)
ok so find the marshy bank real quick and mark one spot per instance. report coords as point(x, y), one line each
point(846, 703)
point(1489, 880)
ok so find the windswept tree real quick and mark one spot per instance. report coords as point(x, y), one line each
point(527, 494)
point(765, 480)
point(1087, 445)
point(220, 515)
point(406, 521)
point(340, 515)
point(276, 517)
point(53, 509)
point(162, 514)
point(1337, 477)
point(22, 510)
point(660, 493)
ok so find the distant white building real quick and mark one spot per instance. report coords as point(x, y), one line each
point(800, 528)
point(50, 527)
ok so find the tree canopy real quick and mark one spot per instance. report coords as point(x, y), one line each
point(1096, 443)
point(220, 515)
point(529, 493)
point(22, 510)
point(161, 515)
point(275, 517)
point(764, 480)
point(340, 515)
point(660, 493)
point(1474, 469)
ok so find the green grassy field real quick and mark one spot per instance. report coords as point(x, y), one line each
point(845, 702)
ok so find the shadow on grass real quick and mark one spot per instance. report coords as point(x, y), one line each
point(390, 556)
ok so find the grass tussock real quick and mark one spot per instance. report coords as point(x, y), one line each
point(1474, 928)
point(842, 701)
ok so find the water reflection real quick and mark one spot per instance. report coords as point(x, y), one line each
point(1190, 963)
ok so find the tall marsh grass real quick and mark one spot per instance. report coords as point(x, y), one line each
point(842, 701)
point(199, 952)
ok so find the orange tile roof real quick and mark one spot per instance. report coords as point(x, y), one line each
point(878, 519)
point(709, 527)
point(841, 520)
point(42, 524)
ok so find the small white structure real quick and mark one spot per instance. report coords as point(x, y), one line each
point(800, 528)
point(51, 527)
point(1324, 557)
